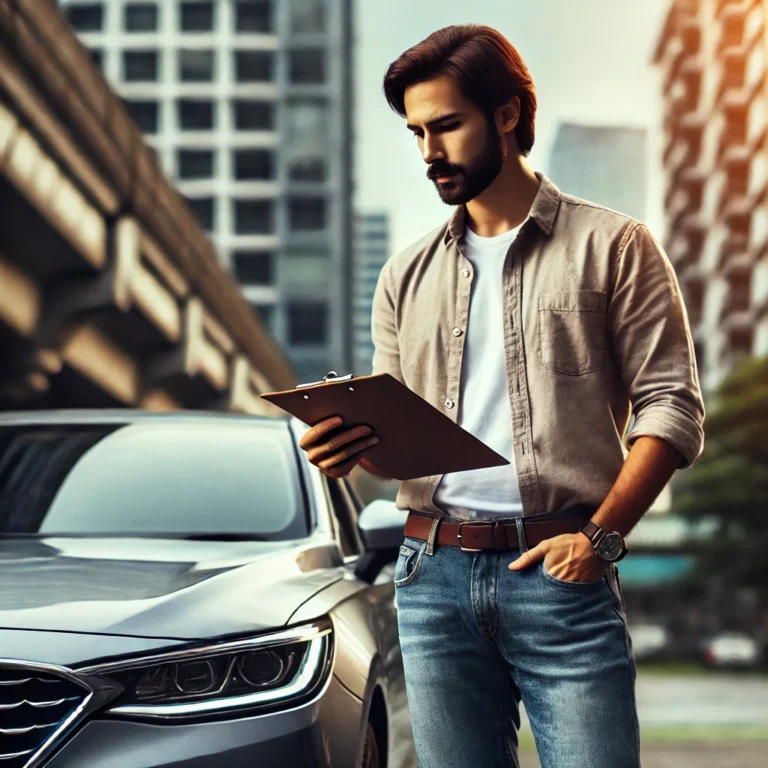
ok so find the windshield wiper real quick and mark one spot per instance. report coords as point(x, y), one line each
point(211, 536)
point(221, 537)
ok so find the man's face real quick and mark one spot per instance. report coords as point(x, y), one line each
point(461, 147)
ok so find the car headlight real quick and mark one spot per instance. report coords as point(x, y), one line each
point(262, 673)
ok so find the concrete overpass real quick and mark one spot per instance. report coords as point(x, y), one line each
point(110, 291)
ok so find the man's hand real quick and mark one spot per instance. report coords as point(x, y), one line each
point(569, 557)
point(336, 455)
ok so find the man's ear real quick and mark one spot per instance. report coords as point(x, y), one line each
point(507, 115)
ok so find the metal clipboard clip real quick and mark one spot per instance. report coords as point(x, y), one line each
point(329, 378)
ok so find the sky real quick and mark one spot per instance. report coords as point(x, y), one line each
point(590, 61)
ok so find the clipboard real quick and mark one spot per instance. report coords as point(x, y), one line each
point(416, 439)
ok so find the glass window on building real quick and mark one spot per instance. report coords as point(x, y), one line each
point(196, 17)
point(196, 114)
point(306, 66)
point(145, 114)
point(85, 17)
point(308, 169)
point(265, 313)
point(195, 164)
point(306, 214)
point(140, 66)
point(196, 66)
point(741, 342)
point(252, 115)
point(254, 267)
point(308, 322)
point(307, 139)
point(254, 66)
point(254, 16)
point(308, 16)
point(254, 217)
point(97, 57)
point(204, 209)
point(140, 17)
point(252, 164)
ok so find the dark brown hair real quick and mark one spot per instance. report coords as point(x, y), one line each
point(486, 66)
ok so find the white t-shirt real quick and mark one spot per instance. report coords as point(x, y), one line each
point(484, 408)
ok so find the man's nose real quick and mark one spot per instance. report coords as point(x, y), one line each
point(432, 150)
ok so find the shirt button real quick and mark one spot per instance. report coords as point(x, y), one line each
point(457, 331)
point(449, 403)
point(465, 272)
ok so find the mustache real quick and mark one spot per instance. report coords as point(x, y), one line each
point(442, 169)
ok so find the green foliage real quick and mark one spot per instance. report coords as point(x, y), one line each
point(729, 483)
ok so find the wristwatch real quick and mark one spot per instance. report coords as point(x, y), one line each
point(609, 545)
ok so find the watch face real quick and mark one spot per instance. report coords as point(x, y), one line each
point(611, 546)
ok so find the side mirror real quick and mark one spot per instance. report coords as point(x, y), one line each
point(381, 526)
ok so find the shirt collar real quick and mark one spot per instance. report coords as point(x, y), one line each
point(543, 211)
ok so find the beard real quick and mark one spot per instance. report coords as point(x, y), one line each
point(467, 182)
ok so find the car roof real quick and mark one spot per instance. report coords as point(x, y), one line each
point(126, 416)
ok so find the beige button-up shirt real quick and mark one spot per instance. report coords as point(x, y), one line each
point(594, 329)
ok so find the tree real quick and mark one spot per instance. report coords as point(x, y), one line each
point(729, 483)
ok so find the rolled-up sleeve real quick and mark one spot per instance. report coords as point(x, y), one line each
point(651, 340)
point(386, 349)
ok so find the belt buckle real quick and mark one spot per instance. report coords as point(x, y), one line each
point(493, 523)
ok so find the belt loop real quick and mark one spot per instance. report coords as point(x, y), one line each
point(433, 536)
point(521, 540)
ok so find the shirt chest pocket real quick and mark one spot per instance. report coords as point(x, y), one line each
point(572, 331)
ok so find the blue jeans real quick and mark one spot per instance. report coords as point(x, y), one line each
point(477, 637)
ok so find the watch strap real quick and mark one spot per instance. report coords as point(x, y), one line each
point(593, 532)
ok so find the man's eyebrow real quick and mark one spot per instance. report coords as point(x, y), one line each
point(437, 120)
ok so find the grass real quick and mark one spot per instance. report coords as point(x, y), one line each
point(690, 669)
point(681, 734)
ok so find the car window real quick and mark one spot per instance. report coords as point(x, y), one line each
point(174, 477)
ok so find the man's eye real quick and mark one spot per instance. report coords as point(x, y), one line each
point(449, 126)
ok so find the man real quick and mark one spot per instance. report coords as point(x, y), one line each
point(538, 322)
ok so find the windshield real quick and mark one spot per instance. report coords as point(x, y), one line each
point(150, 478)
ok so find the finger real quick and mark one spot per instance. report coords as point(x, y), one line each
point(343, 469)
point(531, 557)
point(315, 433)
point(323, 450)
point(352, 449)
point(346, 467)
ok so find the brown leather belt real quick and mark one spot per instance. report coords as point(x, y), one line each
point(479, 535)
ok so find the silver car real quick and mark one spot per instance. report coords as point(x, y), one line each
point(187, 590)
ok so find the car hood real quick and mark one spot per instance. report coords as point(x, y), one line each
point(165, 588)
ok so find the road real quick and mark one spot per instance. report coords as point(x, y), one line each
point(675, 703)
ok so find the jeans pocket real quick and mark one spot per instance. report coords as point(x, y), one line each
point(563, 583)
point(408, 562)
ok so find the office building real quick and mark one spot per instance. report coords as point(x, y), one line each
point(712, 58)
point(372, 241)
point(247, 104)
point(602, 163)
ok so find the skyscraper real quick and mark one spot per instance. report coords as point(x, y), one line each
point(247, 104)
point(602, 163)
point(712, 57)
point(371, 251)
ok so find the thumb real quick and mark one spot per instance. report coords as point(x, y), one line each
point(529, 558)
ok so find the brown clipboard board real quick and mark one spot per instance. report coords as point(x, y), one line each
point(416, 439)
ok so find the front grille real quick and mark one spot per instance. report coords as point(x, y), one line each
point(33, 706)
